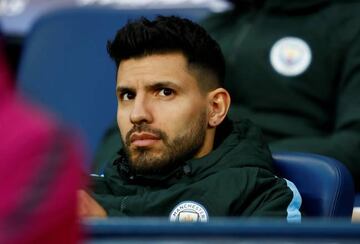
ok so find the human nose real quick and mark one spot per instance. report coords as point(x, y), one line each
point(140, 112)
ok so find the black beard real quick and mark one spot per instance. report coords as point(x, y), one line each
point(176, 152)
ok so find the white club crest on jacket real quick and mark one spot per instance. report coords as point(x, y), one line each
point(290, 56)
point(189, 211)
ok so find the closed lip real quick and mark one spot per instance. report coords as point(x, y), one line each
point(143, 136)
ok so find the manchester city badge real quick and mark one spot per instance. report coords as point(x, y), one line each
point(189, 211)
point(290, 56)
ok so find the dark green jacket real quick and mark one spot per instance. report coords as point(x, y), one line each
point(315, 110)
point(235, 179)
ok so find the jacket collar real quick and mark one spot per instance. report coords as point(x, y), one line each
point(240, 145)
point(124, 171)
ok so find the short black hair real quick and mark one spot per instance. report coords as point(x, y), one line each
point(166, 34)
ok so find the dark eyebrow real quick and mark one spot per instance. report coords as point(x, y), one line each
point(154, 86)
point(163, 84)
point(122, 89)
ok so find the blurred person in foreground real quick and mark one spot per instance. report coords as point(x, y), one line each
point(182, 158)
point(40, 165)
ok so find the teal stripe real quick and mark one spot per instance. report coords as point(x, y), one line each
point(293, 210)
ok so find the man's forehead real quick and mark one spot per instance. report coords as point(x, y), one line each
point(158, 68)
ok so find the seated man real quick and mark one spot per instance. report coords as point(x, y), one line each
point(182, 158)
point(300, 85)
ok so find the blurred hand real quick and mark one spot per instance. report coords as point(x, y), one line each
point(88, 207)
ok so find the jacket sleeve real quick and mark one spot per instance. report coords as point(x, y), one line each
point(112, 204)
point(273, 196)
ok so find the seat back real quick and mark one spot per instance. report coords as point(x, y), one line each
point(325, 184)
point(65, 65)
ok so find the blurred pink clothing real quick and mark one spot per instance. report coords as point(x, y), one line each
point(41, 171)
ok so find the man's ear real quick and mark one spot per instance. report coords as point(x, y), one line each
point(219, 103)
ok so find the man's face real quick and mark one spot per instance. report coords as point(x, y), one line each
point(162, 114)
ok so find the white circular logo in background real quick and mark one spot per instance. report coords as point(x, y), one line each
point(290, 56)
point(189, 211)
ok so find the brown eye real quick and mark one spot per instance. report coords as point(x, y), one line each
point(127, 96)
point(166, 92)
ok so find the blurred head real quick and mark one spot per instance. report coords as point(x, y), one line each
point(169, 90)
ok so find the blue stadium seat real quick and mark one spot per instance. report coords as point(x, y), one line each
point(325, 184)
point(65, 66)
